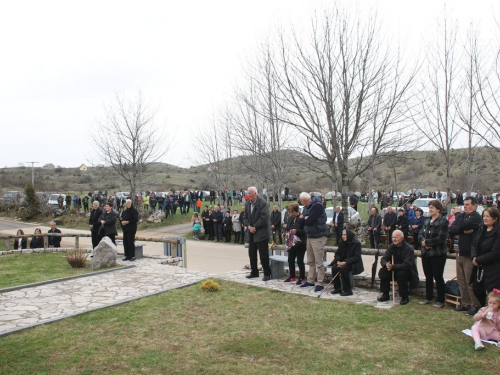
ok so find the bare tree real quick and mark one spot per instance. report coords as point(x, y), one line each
point(344, 92)
point(215, 150)
point(130, 141)
point(437, 110)
point(258, 116)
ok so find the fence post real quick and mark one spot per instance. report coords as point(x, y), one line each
point(7, 244)
point(77, 242)
point(45, 243)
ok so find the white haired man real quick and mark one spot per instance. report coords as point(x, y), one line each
point(316, 231)
point(256, 220)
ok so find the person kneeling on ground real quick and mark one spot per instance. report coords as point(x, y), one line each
point(400, 259)
point(347, 259)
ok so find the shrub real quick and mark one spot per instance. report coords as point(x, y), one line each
point(77, 258)
point(209, 286)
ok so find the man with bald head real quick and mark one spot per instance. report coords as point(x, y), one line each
point(400, 259)
point(256, 220)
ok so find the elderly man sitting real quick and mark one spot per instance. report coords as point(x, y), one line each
point(400, 259)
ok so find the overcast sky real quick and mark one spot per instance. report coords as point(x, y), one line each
point(61, 60)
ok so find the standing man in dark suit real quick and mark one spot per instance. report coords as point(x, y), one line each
point(390, 219)
point(374, 226)
point(95, 225)
point(256, 220)
point(276, 224)
point(338, 224)
point(129, 220)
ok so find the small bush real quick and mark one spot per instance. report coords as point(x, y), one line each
point(209, 286)
point(77, 258)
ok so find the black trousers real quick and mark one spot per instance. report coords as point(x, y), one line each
point(297, 253)
point(277, 231)
point(227, 235)
point(237, 237)
point(338, 234)
point(433, 271)
point(388, 235)
point(96, 238)
point(129, 244)
point(262, 249)
point(402, 277)
point(374, 239)
point(345, 273)
point(112, 237)
point(416, 242)
point(209, 231)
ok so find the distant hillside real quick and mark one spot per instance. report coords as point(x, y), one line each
point(419, 169)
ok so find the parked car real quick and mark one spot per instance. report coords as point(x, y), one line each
point(424, 192)
point(12, 198)
point(330, 194)
point(52, 202)
point(291, 196)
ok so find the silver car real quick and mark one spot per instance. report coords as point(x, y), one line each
point(353, 216)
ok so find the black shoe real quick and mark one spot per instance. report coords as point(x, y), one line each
point(345, 294)
point(383, 298)
point(472, 311)
point(336, 291)
point(404, 300)
point(266, 278)
point(251, 276)
point(460, 308)
point(132, 259)
point(126, 258)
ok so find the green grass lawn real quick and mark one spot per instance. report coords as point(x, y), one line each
point(248, 330)
point(20, 269)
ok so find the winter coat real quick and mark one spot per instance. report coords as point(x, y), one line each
point(486, 250)
point(349, 251)
point(462, 223)
point(315, 224)
point(404, 259)
point(258, 218)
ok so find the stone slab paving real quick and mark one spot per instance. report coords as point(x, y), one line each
point(31, 306)
point(360, 295)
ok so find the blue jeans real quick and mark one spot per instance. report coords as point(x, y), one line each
point(218, 231)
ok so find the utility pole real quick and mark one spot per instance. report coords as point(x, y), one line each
point(33, 171)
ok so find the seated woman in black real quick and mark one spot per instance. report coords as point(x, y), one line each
point(20, 243)
point(36, 241)
point(347, 259)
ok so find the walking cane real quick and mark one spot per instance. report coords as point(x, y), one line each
point(393, 289)
point(328, 284)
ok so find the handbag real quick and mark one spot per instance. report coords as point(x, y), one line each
point(452, 287)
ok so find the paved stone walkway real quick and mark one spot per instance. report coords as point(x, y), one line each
point(31, 306)
point(360, 295)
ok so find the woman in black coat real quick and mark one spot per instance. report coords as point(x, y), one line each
point(129, 220)
point(36, 241)
point(95, 225)
point(108, 219)
point(20, 243)
point(347, 259)
point(485, 254)
point(295, 226)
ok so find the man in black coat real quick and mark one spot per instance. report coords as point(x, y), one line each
point(374, 227)
point(68, 201)
point(276, 224)
point(463, 231)
point(390, 219)
point(129, 219)
point(217, 219)
point(54, 241)
point(400, 259)
point(256, 220)
point(95, 225)
point(338, 224)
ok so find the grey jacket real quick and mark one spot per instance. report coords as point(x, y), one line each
point(258, 218)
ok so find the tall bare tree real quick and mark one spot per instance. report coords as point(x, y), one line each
point(258, 117)
point(437, 114)
point(344, 91)
point(129, 140)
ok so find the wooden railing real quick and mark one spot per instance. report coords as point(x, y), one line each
point(178, 242)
